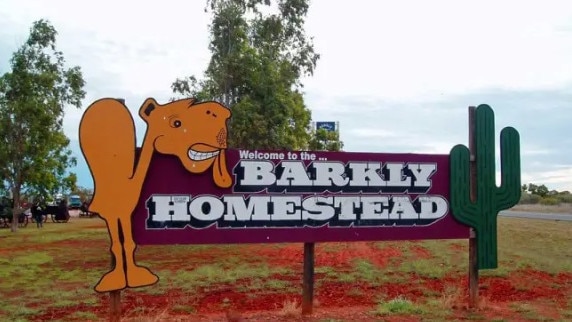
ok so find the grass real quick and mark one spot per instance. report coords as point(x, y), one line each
point(53, 270)
point(399, 305)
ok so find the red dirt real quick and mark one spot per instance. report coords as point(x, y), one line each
point(457, 247)
point(334, 299)
point(333, 254)
point(527, 285)
point(421, 252)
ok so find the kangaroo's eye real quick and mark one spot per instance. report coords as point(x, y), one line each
point(176, 123)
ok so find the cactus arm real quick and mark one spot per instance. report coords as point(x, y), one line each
point(508, 192)
point(462, 208)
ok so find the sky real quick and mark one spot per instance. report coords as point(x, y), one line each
point(397, 75)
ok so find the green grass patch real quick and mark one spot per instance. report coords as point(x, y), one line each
point(216, 273)
point(437, 260)
point(423, 267)
point(362, 270)
point(184, 309)
point(398, 306)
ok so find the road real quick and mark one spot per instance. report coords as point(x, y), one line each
point(534, 215)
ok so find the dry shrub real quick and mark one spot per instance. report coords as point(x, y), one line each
point(163, 316)
point(458, 298)
point(289, 309)
point(453, 298)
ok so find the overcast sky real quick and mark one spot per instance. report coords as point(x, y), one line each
point(397, 75)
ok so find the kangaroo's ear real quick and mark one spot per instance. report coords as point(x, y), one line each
point(147, 108)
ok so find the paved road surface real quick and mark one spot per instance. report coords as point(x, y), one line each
point(534, 215)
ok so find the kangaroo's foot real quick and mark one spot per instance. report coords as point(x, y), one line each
point(138, 276)
point(112, 281)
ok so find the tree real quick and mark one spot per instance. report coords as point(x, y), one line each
point(258, 59)
point(35, 154)
point(324, 140)
point(542, 190)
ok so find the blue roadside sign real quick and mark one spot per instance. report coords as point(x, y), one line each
point(328, 126)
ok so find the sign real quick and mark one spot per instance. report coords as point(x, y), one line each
point(185, 186)
point(328, 126)
point(286, 196)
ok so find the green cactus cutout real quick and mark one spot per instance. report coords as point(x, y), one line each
point(490, 199)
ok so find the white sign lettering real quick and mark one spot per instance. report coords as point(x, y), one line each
point(295, 211)
point(295, 176)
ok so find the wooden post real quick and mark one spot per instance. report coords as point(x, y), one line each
point(114, 301)
point(473, 259)
point(308, 279)
point(115, 306)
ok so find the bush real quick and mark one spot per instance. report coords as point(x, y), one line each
point(549, 201)
point(564, 198)
point(527, 198)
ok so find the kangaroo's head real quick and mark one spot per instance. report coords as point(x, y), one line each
point(196, 133)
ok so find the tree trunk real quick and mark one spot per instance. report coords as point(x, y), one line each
point(15, 209)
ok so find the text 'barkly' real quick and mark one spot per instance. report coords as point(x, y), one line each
point(333, 176)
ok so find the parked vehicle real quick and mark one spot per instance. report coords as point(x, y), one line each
point(74, 202)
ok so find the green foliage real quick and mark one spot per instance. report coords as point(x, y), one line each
point(549, 201)
point(528, 199)
point(534, 194)
point(324, 140)
point(564, 198)
point(35, 155)
point(482, 213)
point(540, 190)
point(259, 54)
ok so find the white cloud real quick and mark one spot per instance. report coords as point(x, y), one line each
point(417, 49)
point(536, 151)
point(370, 133)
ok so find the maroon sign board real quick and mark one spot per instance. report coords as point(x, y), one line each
point(285, 196)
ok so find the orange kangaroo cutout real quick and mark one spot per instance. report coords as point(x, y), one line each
point(196, 133)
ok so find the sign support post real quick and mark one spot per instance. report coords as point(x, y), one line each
point(308, 279)
point(473, 258)
point(114, 301)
